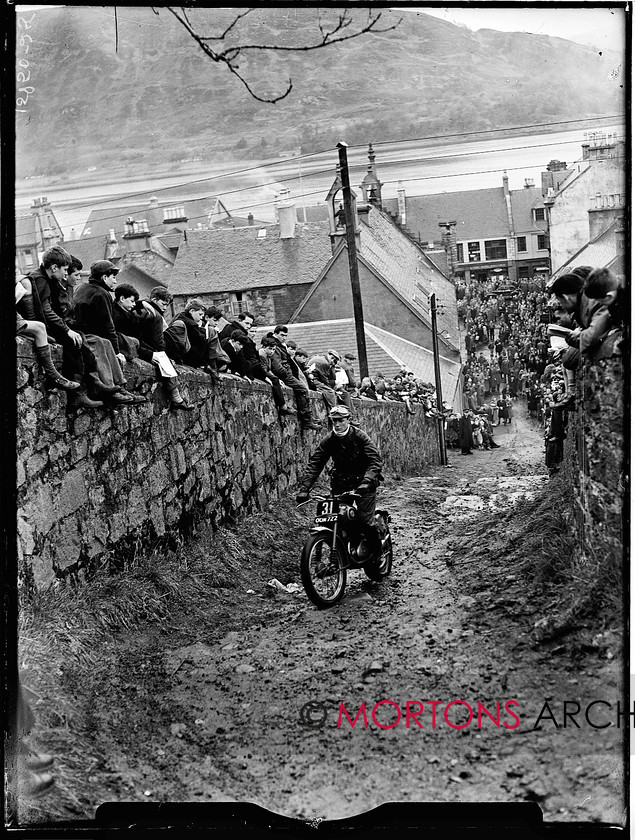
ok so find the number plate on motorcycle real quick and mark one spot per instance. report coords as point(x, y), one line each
point(330, 517)
point(327, 506)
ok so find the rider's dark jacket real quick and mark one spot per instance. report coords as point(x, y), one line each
point(355, 458)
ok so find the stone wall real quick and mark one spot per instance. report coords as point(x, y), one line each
point(94, 487)
point(595, 460)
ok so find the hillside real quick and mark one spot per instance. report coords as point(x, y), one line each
point(153, 97)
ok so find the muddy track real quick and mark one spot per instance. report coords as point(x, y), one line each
point(245, 705)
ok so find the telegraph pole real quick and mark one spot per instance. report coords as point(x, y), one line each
point(351, 223)
point(437, 378)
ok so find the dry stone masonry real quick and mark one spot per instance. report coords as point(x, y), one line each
point(595, 460)
point(101, 487)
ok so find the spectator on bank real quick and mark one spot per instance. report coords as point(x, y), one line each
point(42, 304)
point(367, 389)
point(143, 325)
point(266, 353)
point(186, 342)
point(286, 370)
point(322, 368)
point(301, 358)
point(592, 319)
point(292, 350)
point(37, 331)
point(92, 316)
point(233, 347)
point(555, 434)
point(465, 433)
point(241, 323)
point(214, 323)
point(605, 288)
point(347, 365)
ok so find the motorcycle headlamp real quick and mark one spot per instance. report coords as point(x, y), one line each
point(347, 511)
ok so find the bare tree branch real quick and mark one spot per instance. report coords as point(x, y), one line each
point(333, 34)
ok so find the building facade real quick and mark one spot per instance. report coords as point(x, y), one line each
point(590, 200)
point(34, 233)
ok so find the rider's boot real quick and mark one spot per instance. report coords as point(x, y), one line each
point(373, 541)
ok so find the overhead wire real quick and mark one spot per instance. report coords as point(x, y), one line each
point(296, 158)
point(256, 205)
point(294, 177)
point(313, 173)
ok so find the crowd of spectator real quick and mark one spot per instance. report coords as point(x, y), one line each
point(522, 339)
point(525, 339)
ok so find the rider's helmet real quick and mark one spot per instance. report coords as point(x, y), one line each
point(338, 412)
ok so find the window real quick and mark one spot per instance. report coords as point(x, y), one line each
point(539, 214)
point(459, 252)
point(521, 243)
point(496, 249)
point(28, 258)
point(543, 243)
point(237, 304)
point(474, 251)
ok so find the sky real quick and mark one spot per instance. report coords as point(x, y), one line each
point(603, 28)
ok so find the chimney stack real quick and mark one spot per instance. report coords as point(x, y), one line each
point(448, 239)
point(136, 235)
point(154, 214)
point(112, 245)
point(175, 217)
point(401, 204)
point(286, 215)
point(362, 212)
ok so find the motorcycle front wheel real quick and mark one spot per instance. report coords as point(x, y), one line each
point(323, 577)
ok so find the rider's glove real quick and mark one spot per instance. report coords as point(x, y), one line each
point(301, 497)
point(364, 487)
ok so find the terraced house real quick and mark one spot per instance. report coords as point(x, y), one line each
point(485, 233)
point(298, 274)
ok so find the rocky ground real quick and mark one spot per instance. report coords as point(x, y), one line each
point(237, 697)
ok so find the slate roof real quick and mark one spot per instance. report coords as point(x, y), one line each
point(314, 212)
point(102, 219)
point(409, 271)
point(27, 229)
point(385, 352)
point(479, 214)
point(523, 202)
point(25, 232)
point(440, 259)
point(87, 251)
point(599, 253)
point(238, 259)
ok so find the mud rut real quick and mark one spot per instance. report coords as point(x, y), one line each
point(223, 722)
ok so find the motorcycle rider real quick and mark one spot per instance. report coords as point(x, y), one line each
point(357, 467)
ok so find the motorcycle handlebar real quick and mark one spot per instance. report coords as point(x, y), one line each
point(352, 493)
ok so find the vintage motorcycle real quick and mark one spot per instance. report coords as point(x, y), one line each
point(336, 544)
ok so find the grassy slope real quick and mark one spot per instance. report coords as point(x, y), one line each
point(95, 104)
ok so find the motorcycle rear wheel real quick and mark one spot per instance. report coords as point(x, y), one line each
point(381, 568)
point(323, 577)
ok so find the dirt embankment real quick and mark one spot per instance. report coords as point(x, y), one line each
point(227, 690)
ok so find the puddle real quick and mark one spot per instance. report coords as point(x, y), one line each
point(497, 494)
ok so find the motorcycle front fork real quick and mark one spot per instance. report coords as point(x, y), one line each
point(342, 560)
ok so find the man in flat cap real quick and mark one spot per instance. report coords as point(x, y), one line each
point(357, 465)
